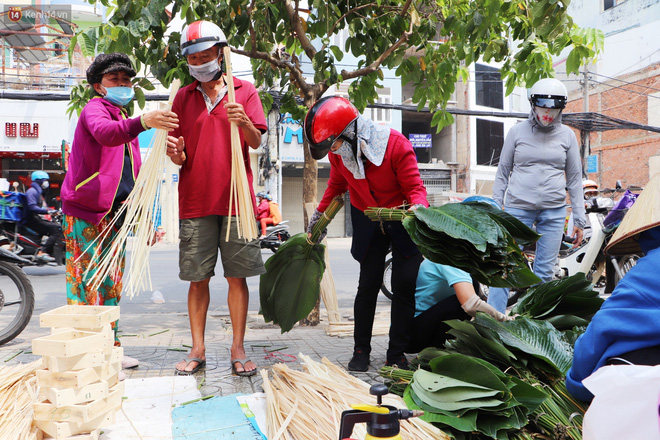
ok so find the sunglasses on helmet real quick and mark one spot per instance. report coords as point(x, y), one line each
point(551, 102)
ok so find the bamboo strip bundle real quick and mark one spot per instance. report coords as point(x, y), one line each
point(18, 386)
point(343, 328)
point(169, 203)
point(381, 326)
point(324, 390)
point(328, 291)
point(239, 193)
point(139, 213)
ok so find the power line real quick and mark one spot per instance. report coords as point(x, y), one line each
point(625, 82)
point(628, 90)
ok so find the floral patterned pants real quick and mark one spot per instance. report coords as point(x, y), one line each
point(79, 234)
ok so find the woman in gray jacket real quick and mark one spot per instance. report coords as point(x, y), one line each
point(540, 160)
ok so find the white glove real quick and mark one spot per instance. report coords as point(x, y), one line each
point(312, 221)
point(476, 304)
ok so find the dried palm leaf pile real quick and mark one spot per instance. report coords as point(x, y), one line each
point(305, 405)
point(505, 380)
point(18, 387)
point(473, 236)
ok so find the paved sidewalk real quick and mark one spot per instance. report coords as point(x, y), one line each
point(159, 342)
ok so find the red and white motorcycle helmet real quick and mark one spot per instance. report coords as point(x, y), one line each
point(327, 120)
point(201, 35)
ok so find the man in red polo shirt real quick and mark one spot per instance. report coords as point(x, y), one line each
point(202, 147)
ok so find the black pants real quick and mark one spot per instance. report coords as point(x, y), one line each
point(643, 356)
point(429, 329)
point(44, 227)
point(404, 278)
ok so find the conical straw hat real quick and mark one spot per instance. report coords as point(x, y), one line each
point(643, 215)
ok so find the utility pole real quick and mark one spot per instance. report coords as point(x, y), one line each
point(585, 134)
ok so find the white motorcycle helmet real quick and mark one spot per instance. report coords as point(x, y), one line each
point(201, 35)
point(590, 188)
point(548, 97)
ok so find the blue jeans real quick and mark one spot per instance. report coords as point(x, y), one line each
point(550, 224)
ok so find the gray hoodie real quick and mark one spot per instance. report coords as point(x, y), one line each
point(537, 165)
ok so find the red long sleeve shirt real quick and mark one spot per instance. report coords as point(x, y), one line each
point(394, 182)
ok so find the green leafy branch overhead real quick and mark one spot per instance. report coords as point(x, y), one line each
point(300, 51)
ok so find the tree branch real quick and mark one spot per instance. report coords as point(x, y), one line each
point(298, 31)
point(376, 64)
point(296, 74)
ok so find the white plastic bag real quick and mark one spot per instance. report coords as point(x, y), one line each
point(625, 405)
point(157, 297)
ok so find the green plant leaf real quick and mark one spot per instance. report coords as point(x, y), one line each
point(535, 338)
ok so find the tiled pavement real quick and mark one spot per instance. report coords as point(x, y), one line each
point(160, 341)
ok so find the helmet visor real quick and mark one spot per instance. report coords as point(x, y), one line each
point(549, 102)
point(320, 149)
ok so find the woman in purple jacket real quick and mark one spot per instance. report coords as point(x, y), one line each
point(104, 161)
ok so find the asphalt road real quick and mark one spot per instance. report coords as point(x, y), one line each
point(49, 283)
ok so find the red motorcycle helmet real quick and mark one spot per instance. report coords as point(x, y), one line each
point(327, 120)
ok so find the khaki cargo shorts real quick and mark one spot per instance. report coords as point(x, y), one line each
point(201, 238)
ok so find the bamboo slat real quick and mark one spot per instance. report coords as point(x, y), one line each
point(240, 195)
point(18, 393)
point(302, 405)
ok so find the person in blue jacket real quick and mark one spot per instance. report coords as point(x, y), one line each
point(35, 209)
point(626, 329)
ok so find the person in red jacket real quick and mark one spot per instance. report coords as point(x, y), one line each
point(273, 217)
point(378, 166)
point(263, 209)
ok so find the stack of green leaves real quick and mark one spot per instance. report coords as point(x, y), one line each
point(525, 344)
point(463, 394)
point(289, 289)
point(473, 236)
point(566, 303)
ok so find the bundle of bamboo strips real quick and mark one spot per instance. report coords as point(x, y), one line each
point(239, 193)
point(18, 392)
point(324, 390)
point(139, 211)
point(345, 329)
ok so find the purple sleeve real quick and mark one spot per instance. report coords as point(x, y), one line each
point(108, 131)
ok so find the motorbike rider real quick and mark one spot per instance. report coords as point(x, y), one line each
point(35, 209)
point(590, 189)
point(273, 217)
point(262, 206)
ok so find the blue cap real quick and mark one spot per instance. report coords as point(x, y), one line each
point(483, 199)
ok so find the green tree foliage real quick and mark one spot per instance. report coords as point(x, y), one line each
point(429, 43)
point(292, 46)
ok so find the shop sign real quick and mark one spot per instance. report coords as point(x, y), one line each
point(26, 131)
point(420, 140)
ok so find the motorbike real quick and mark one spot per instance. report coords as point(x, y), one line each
point(26, 243)
point(604, 216)
point(604, 271)
point(275, 236)
point(16, 296)
point(589, 258)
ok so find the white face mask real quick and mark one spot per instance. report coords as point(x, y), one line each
point(205, 72)
point(546, 116)
point(44, 184)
